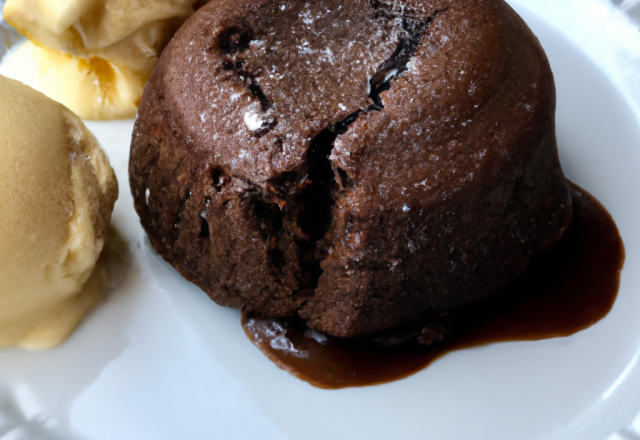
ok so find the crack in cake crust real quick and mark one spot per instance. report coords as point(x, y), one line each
point(315, 202)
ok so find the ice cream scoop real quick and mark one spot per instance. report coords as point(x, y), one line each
point(111, 48)
point(58, 192)
point(94, 89)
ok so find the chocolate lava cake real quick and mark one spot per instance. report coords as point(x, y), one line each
point(361, 164)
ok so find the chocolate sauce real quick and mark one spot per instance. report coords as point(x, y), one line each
point(567, 289)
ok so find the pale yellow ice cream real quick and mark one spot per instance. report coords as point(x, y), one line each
point(96, 89)
point(114, 45)
point(58, 192)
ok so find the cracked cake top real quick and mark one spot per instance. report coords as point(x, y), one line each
point(284, 70)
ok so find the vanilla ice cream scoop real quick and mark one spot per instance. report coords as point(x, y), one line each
point(58, 191)
point(106, 49)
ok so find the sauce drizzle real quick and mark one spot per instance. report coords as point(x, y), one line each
point(570, 287)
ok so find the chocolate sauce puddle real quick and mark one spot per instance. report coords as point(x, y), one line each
point(570, 287)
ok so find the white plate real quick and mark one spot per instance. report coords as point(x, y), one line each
point(158, 360)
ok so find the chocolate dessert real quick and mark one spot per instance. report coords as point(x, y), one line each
point(362, 165)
